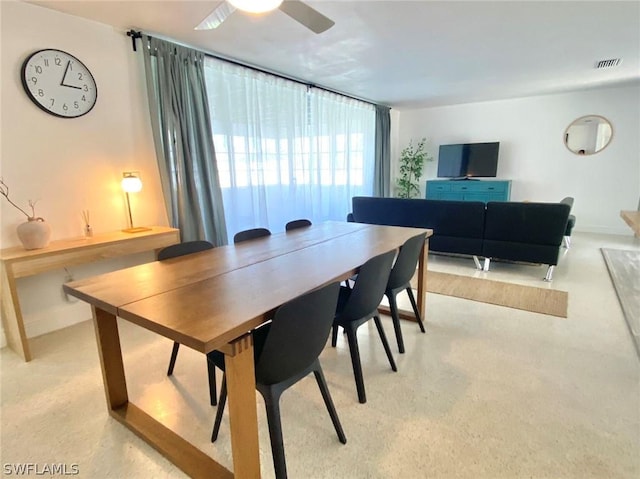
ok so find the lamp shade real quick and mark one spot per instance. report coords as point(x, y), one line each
point(131, 182)
point(255, 6)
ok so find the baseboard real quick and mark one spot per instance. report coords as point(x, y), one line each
point(623, 230)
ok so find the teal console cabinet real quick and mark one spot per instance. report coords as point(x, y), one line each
point(469, 190)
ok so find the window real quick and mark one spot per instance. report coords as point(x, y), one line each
point(284, 150)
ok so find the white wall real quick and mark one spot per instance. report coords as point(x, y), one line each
point(533, 155)
point(73, 164)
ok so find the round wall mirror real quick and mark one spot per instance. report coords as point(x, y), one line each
point(588, 135)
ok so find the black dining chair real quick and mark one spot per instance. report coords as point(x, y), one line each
point(285, 351)
point(253, 233)
point(400, 279)
point(359, 304)
point(173, 251)
point(295, 224)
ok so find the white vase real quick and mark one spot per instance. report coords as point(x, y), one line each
point(34, 233)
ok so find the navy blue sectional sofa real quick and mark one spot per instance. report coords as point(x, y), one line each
point(515, 231)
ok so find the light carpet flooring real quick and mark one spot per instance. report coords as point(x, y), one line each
point(489, 392)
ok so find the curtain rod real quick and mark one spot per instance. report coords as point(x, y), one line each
point(138, 34)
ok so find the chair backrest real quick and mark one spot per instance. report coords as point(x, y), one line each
point(182, 249)
point(297, 335)
point(369, 287)
point(406, 262)
point(292, 225)
point(250, 234)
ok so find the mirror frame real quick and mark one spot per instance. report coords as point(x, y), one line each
point(566, 132)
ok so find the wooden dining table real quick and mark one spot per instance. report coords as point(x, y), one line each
point(210, 301)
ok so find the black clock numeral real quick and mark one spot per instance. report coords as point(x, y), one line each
point(38, 69)
point(86, 88)
point(34, 80)
point(40, 92)
point(84, 98)
point(52, 102)
point(65, 107)
point(58, 61)
point(46, 62)
point(80, 76)
point(76, 105)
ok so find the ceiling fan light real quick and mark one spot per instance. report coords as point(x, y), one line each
point(255, 6)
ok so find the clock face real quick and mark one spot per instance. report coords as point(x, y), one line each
point(59, 83)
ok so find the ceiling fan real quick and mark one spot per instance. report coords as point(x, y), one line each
point(299, 11)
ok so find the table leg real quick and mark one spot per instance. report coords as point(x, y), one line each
point(12, 316)
point(180, 452)
point(115, 385)
point(422, 281)
point(243, 416)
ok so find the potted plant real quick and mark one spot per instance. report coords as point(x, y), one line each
point(35, 232)
point(412, 160)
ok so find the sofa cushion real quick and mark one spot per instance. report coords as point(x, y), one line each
point(446, 218)
point(531, 223)
point(531, 232)
point(457, 225)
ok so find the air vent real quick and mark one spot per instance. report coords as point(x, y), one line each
point(613, 62)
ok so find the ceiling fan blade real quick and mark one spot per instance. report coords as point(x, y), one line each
point(303, 13)
point(215, 18)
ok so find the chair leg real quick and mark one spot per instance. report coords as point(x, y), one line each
point(393, 306)
point(415, 309)
point(272, 405)
point(383, 337)
point(220, 411)
point(355, 362)
point(477, 262)
point(334, 335)
point(211, 369)
point(487, 262)
point(322, 384)
point(174, 355)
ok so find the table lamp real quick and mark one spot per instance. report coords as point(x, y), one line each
point(131, 183)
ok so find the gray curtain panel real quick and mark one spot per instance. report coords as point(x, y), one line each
point(382, 172)
point(183, 140)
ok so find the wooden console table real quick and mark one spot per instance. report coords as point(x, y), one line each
point(16, 262)
point(632, 218)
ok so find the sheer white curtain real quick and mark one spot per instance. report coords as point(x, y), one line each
point(286, 151)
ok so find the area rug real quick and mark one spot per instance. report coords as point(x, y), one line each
point(624, 269)
point(529, 298)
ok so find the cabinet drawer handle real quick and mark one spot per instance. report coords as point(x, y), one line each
point(491, 188)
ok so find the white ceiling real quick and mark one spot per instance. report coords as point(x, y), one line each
point(410, 54)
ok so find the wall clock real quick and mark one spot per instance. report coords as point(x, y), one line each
point(59, 83)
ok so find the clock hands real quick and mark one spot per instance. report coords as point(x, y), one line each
point(62, 83)
point(65, 73)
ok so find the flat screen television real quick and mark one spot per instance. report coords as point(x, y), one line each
point(468, 160)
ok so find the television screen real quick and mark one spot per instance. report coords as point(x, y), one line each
point(468, 159)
